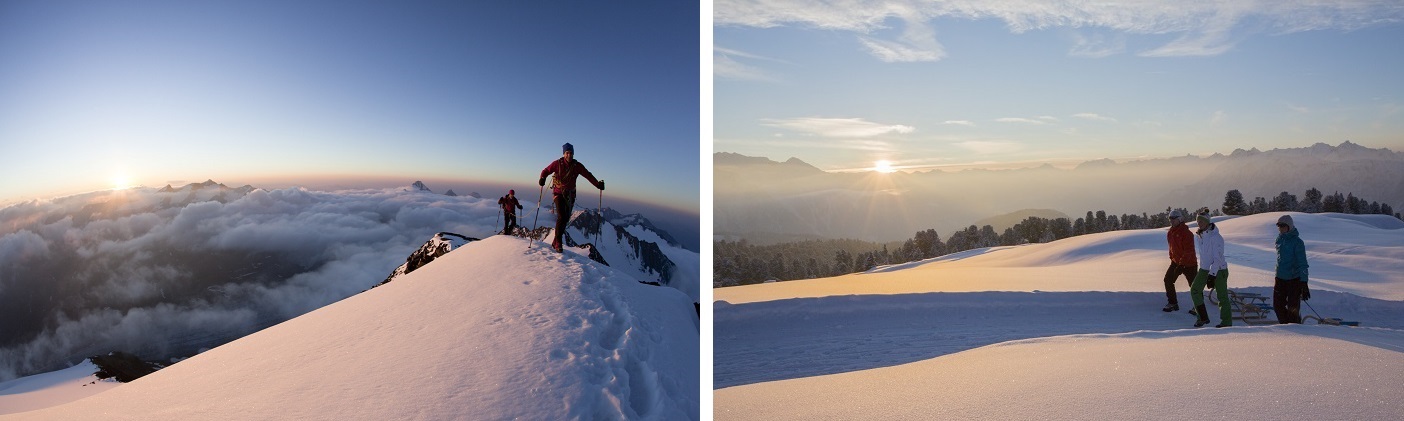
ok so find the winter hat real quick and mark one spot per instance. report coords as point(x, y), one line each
point(567, 148)
point(511, 192)
point(1287, 220)
point(1203, 221)
point(1176, 214)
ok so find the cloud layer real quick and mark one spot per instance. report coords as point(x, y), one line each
point(837, 127)
point(165, 274)
point(1201, 28)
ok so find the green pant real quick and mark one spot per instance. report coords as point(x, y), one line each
point(1220, 287)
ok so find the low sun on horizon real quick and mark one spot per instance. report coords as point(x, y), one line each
point(883, 167)
point(121, 181)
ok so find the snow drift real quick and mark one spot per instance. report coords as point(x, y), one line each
point(1070, 330)
point(487, 331)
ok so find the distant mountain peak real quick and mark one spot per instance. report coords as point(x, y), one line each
point(419, 186)
point(450, 193)
point(1097, 163)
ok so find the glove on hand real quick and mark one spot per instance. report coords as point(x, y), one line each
point(601, 184)
point(541, 182)
point(1306, 293)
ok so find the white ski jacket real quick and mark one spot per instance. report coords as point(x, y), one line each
point(1210, 246)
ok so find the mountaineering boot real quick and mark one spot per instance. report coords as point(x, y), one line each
point(1171, 307)
point(1203, 316)
point(1221, 324)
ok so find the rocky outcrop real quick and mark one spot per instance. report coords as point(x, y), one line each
point(122, 366)
point(441, 244)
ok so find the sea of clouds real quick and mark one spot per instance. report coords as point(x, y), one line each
point(166, 274)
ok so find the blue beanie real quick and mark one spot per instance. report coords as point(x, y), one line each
point(567, 148)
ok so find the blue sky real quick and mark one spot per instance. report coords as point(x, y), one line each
point(957, 84)
point(148, 92)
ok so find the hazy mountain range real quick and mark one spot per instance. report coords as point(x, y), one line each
point(766, 201)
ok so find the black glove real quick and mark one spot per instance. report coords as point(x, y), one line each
point(1306, 293)
point(519, 206)
point(541, 182)
point(1212, 280)
point(601, 184)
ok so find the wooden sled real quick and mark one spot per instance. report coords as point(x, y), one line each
point(1256, 309)
point(1252, 309)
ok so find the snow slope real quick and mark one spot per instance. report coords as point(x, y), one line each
point(1070, 330)
point(685, 277)
point(487, 331)
point(1359, 254)
point(1278, 372)
point(52, 388)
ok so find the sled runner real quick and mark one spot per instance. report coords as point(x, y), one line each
point(1256, 309)
point(1252, 309)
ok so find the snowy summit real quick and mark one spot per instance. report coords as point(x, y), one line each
point(490, 330)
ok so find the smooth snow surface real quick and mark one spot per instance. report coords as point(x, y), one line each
point(52, 388)
point(1071, 330)
point(1279, 372)
point(487, 331)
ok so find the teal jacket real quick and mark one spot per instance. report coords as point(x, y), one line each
point(1291, 256)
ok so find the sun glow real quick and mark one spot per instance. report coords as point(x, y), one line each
point(121, 181)
point(883, 167)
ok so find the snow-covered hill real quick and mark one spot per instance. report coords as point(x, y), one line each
point(487, 331)
point(1070, 330)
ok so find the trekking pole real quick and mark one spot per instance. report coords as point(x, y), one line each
point(601, 231)
point(539, 192)
point(498, 220)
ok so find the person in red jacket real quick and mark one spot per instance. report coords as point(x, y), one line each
point(509, 206)
point(563, 188)
point(1182, 260)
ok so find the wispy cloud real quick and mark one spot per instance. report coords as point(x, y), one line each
point(1097, 45)
point(1218, 117)
point(837, 127)
point(967, 123)
point(1020, 120)
point(1094, 117)
point(990, 146)
point(725, 65)
point(917, 43)
point(1203, 28)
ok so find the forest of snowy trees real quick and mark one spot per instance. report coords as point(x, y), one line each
point(741, 263)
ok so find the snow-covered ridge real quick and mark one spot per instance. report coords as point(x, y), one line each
point(441, 244)
point(637, 248)
point(487, 331)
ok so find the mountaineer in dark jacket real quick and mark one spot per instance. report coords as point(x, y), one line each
point(509, 206)
point(1182, 261)
point(563, 188)
point(1289, 286)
